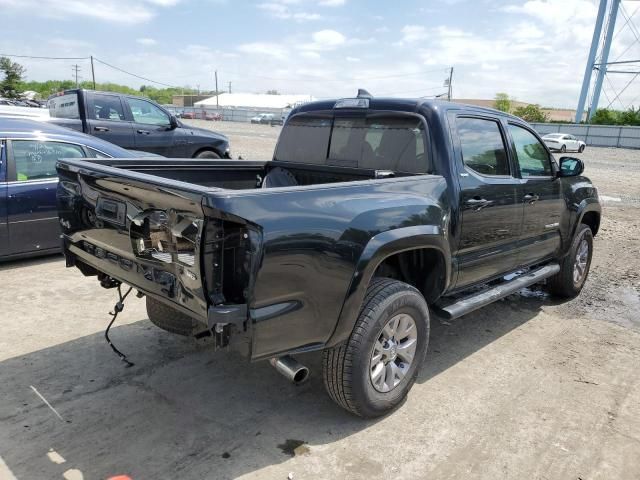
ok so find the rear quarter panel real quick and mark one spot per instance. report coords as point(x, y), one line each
point(313, 239)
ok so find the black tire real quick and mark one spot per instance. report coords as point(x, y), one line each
point(168, 318)
point(207, 154)
point(346, 367)
point(581, 149)
point(563, 149)
point(563, 284)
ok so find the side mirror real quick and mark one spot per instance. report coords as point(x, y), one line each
point(173, 122)
point(570, 167)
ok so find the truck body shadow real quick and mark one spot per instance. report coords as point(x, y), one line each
point(184, 411)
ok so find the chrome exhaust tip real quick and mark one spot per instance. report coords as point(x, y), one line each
point(288, 366)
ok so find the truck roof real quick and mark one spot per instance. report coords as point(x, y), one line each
point(76, 90)
point(403, 105)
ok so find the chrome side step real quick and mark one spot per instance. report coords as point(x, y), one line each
point(477, 300)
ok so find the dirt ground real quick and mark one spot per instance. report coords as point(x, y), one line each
point(525, 388)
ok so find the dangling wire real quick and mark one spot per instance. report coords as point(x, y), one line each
point(119, 306)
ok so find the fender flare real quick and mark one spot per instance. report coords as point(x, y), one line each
point(585, 206)
point(577, 212)
point(379, 248)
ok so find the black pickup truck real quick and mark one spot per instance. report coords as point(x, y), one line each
point(372, 213)
point(134, 123)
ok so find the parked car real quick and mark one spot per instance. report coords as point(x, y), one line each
point(264, 118)
point(563, 142)
point(215, 117)
point(134, 123)
point(188, 115)
point(29, 150)
point(371, 213)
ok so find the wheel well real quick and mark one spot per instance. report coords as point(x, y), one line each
point(592, 219)
point(424, 268)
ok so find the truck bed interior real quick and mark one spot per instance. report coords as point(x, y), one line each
point(245, 174)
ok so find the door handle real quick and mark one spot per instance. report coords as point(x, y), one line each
point(531, 198)
point(100, 129)
point(478, 203)
point(143, 132)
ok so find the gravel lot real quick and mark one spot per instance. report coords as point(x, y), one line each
point(525, 388)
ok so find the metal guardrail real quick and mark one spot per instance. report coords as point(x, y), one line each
point(595, 135)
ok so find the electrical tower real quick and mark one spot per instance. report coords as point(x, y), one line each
point(598, 60)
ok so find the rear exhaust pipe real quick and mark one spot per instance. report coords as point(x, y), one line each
point(290, 368)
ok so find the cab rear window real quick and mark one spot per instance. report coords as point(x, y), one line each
point(64, 106)
point(377, 142)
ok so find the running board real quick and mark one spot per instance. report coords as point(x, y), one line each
point(477, 300)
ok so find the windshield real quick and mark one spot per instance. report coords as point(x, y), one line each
point(379, 142)
point(554, 135)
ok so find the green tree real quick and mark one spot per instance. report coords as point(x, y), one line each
point(502, 102)
point(604, 116)
point(531, 113)
point(13, 72)
point(629, 117)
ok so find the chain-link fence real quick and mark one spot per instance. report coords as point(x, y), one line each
point(226, 114)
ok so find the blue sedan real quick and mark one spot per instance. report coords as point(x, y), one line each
point(29, 150)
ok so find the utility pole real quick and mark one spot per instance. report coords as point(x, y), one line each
point(229, 87)
point(449, 91)
point(93, 75)
point(76, 69)
point(216, 75)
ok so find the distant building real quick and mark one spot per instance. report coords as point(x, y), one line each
point(553, 114)
point(187, 100)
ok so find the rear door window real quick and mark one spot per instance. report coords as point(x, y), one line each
point(36, 160)
point(376, 142)
point(107, 107)
point(482, 146)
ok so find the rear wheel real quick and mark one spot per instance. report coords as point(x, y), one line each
point(563, 149)
point(574, 268)
point(581, 149)
point(372, 372)
point(207, 154)
point(168, 318)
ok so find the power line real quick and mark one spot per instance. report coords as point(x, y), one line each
point(43, 58)
point(134, 75)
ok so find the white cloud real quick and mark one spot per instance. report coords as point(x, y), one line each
point(116, 11)
point(332, 3)
point(282, 9)
point(164, 3)
point(325, 40)
point(147, 42)
point(69, 44)
point(352, 59)
point(413, 33)
point(264, 48)
point(556, 12)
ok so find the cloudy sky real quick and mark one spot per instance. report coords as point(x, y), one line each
point(535, 50)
